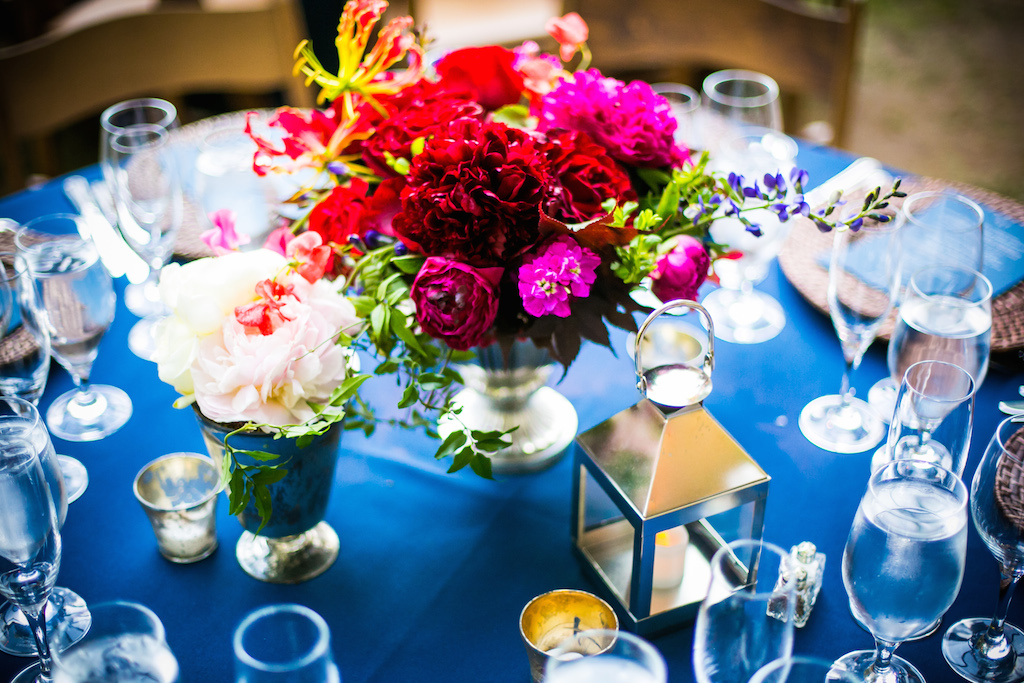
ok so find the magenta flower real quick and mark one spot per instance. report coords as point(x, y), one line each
point(680, 273)
point(455, 302)
point(632, 122)
point(222, 238)
point(560, 271)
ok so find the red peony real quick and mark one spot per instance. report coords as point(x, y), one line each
point(474, 194)
point(680, 273)
point(485, 72)
point(585, 175)
point(346, 211)
point(455, 302)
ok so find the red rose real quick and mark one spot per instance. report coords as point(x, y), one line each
point(474, 194)
point(455, 302)
point(346, 211)
point(585, 175)
point(486, 72)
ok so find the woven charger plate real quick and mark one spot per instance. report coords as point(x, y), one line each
point(800, 255)
point(1009, 486)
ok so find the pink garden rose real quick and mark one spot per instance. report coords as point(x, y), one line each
point(680, 273)
point(455, 302)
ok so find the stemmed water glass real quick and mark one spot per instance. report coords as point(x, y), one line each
point(746, 620)
point(141, 171)
point(685, 104)
point(801, 669)
point(992, 650)
point(78, 297)
point(863, 278)
point(945, 230)
point(617, 656)
point(903, 562)
point(734, 100)
point(741, 313)
point(29, 536)
point(141, 299)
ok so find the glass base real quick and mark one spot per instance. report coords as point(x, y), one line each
point(142, 337)
point(744, 318)
point(289, 559)
point(959, 647)
point(547, 426)
point(67, 622)
point(29, 675)
point(71, 420)
point(859, 665)
point(827, 424)
point(882, 397)
point(76, 477)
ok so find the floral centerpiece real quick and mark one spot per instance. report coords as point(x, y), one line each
point(493, 196)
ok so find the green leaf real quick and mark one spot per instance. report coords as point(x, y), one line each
point(462, 458)
point(269, 475)
point(462, 356)
point(455, 441)
point(401, 329)
point(513, 116)
point(481, 464)
point(409, 396)
point(386, 368)
point(363, 305)
point(433, 380)
point(409, 264)
point(264, 506)
point(348, 389)
point(259, 455)
point(379, 320)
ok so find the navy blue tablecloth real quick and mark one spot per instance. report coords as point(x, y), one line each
point(435, 568)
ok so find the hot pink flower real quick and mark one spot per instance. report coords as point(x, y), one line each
point(278, 240)
point(455, 302)
point(570, 31)
point(222, 237)
point(681, 272)
point(558, 272)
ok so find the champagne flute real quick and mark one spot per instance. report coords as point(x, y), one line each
point(141, 172)
point(746, 620)
point(903, 562)
point(863, 278)
point(945, 229)
point(982, 649)
point(618, 656)
point(29, 539)
point(142, 299)
point(78, 297)
point(734, 100)
point(742, 314)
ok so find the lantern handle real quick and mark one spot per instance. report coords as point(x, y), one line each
point(709, 357)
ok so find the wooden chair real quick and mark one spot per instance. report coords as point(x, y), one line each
point(103, 51)
point(806, 47)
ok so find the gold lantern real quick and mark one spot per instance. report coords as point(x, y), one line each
point(658, 488)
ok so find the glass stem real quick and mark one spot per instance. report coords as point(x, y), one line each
point(992, 644)
point(37, 622)
point(844, 390)
point(882, 666)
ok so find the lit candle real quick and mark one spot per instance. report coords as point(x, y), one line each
point(670, 557)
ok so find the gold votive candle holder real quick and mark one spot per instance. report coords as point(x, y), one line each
point(552, 618)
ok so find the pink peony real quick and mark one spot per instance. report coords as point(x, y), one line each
point(222, 238)
point(681, 272)
point(455, 302)
point(559, 272)
point(632, 122)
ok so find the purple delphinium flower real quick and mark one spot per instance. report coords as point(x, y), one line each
point(559, 271)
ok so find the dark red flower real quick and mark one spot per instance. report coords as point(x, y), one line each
point(346, 211)
point(585, 175)
point(486, 72)
point(474, 194)
point(455, 302)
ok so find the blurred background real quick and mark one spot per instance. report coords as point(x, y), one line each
point(933, 88)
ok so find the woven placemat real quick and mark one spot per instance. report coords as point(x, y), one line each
point(1009, 485)
point(800, 260)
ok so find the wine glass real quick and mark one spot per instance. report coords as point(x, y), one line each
point(746, 620)
point(78, 296)
point(618, 656)
point(734, 100)
point(141, 171)
point(933, 417)
point(685, 104)
point(944, 229)
point(742, 314)
point(982, 649)
point(126, 644)
point(29, 536)
point(903, 562)
point(800, 669)
point(142, 299)
point(863, 278)
point(284, 643)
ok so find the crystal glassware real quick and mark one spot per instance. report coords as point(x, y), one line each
point(734, 100)
point(799, 669)
point(142, 174)
point(616, 656)
point(742, 314)
point(126, 644)
point(942, 229)
point(746, 620)
point(29, 537)
point(863, 279)
point(284, 643)
point(992, 650)
point(933, 418)
point(78, 297)
point(903, 562)
point(685, 104)
point(142, 298)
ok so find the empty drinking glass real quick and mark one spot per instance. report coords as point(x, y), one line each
point(685, 103)
point(734, 100)
point(618, 656)
point(798, 669)
point(284, 643)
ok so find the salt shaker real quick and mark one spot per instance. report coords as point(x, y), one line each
point(807, 570)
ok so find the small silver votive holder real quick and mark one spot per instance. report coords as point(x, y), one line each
point(552, 618)
point(179, 494)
